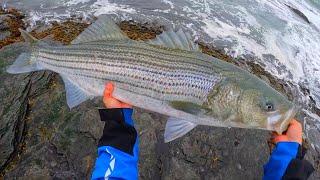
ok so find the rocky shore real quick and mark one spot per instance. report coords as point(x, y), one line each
point(41, 138)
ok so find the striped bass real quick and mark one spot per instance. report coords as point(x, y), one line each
point(168, 75)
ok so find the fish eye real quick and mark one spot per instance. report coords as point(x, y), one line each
point(269, 107)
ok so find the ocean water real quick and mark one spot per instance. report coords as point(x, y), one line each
point(285, 43)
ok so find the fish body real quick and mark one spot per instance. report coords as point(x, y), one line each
point(168, 75)
point(155, 72)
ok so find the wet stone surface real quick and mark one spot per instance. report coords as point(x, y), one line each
point(13, 108)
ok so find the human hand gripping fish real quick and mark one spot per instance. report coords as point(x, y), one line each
point(292, 134)
point(118, 149)
point(111, 102)
point(287, 158)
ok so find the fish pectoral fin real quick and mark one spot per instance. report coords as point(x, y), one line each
point(103, 29)
point(176, 128)
point(188, 107)
point(175, 40)
point(75, 95)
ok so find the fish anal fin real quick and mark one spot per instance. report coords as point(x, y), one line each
point(74, 94)
point(176, 128)
point(175, 40)
point(103, 29)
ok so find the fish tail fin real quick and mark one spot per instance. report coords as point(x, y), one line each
point(25, 62)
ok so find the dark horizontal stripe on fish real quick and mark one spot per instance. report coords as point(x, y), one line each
point(156, 63)
point(177, 84)
point(62, 56)
point(135, 46)
point(143, 87)
point(134, 85)
point(193, 60)
point(137, 68)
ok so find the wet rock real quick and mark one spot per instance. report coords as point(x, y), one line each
point(204, 153)
point(150, 127)
point(43, 161)
point(4, 34)
point(219, 153)
point(70, 136)
point(4, 26)
point(10, 22)
point(13, 107)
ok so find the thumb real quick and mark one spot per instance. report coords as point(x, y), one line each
point(280, 138)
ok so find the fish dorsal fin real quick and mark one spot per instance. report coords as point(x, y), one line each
point(28, 37)
point(175, 40)
point(102, 29)
point(176, 128)
point(75, 95)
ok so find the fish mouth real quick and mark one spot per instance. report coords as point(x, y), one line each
point(279, 121)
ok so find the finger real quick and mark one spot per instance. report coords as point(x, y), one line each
point(108, 90)
point(112, 103)
point(125, 105)
point(295, 122)
point(295, 125)
point(280, 138)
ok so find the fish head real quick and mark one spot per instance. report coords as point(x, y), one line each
point(262, 106)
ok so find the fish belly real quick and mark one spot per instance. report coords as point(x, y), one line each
point(163, 107)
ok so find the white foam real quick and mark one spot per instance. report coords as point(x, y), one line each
point(295, 46)
point(75, 2)
point(105, 7)
point(169, 3)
